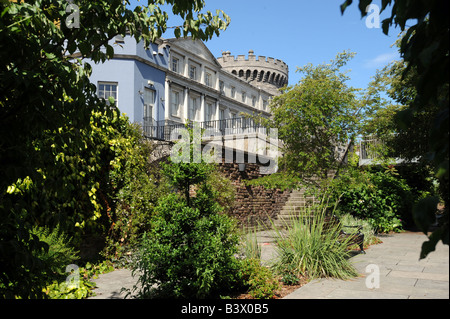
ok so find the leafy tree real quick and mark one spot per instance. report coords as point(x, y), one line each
point(189, 250)
point(314, 117)
point(425, 50)
point(49, 113)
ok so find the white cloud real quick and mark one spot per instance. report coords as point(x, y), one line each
point(381, 60)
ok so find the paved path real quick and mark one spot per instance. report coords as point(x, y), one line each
point(402, 275)
point(109, 286)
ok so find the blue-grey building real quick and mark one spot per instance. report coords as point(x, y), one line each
point(135, 77)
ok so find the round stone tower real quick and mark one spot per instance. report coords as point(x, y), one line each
point(269, 74)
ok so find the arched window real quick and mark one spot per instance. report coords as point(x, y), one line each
point(261, 76)
point(255, 74)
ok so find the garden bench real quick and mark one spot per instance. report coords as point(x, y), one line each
point(352, 238)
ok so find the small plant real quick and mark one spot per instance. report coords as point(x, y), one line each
point(249, 247)
point(59, 253)
point(259, 280)
point(311, 249)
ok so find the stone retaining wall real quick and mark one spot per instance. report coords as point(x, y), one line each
point(254, 205)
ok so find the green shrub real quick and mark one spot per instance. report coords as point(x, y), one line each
point(59, 253)
point(367, 228)
point(190, 250)
point(306, 249)
point(380, 197)
point(257, 279)
point(135, 191)
point(280, 180)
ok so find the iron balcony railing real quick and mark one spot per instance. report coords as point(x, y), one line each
point(166, 130)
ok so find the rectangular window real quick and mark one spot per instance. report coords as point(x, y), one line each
point(222, 119)
point(175, 103)
point(175, 65)
point(208, 80)
point(149, 103)
point(193, 72)
point(233, 92)
point(193, 109)
point(244, 96)
point(233, 120)
point(221, 87)
point(253, 101)
point(107, 89)
point(210, 111)
point(265, 105)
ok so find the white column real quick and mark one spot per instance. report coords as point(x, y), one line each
point(216, 115)
point(167, 101)
point(185, 105)
point(202, 74)
point(186, 67)
point(202, 108)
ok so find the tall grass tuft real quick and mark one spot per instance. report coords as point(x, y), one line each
point(311, 248)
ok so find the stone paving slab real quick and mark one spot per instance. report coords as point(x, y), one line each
point(401, 274)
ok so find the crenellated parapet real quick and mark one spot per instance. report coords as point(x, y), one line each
point(268, 73)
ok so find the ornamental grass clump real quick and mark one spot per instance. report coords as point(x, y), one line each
point(310, 247)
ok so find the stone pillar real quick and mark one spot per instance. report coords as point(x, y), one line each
point(184, 112)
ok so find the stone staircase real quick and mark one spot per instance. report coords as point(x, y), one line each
point(296, 203)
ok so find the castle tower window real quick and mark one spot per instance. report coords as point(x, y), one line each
point(248, 74)
point(241, 73)
point(261, 76)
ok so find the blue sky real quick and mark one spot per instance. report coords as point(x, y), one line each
point(301, 32)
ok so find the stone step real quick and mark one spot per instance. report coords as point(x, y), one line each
point(300, 202)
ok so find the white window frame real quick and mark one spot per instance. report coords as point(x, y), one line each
point(175, 102)
point(103, 94)
point(210, 111)
point(175, 64)
point(208, 79)
point(193, 107)
point(149, 98)
point(193, 72)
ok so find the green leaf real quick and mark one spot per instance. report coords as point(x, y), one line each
point(345, 5)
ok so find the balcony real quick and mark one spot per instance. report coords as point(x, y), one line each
point(167, 130)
